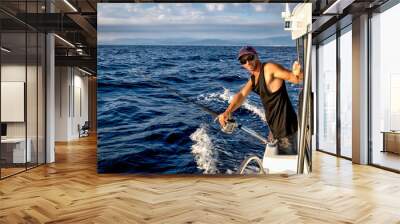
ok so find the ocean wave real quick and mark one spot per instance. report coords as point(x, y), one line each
point(124, 85)
point(203, 151)
point(229, 171)
point(227, 96)
point(154, 134)
point(230, 78)
point(174, 79)
point(194, 57)
point(163, 65)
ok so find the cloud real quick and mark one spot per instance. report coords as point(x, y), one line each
point(215, 7)
point(260, 7)
point(149, 14)
point(189, 20)
point(161, 17)
point(132, 8)
point(248, 29)
point(186, 13)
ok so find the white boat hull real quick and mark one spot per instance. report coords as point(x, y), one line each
point(279, 164)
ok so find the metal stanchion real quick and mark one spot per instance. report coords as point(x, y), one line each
point(306, 89)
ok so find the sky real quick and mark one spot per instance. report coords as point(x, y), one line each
point(188, 23)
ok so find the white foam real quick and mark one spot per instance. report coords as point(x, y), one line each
point(228, 171)
point(209, 97)
point(256, 110)
point(203, 150)
point(228, 96)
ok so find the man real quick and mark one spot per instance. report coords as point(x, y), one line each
point(268, 81)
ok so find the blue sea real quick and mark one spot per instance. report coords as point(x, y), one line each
point(145, 127)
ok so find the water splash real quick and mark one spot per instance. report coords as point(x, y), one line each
point(227, 95)
point(229, 171)
point(203, 151)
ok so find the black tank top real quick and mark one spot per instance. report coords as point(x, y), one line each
point(279, 112)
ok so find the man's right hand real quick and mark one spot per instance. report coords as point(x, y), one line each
point(223, 118)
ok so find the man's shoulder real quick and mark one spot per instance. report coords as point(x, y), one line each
point(269, 63)
point(269, 66)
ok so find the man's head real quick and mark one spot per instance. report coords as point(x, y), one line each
point(248, 58)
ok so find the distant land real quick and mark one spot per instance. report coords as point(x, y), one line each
point(270, 41)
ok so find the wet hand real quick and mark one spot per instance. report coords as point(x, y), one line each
point(223, 119)
point(270, 137)
point(296, 70)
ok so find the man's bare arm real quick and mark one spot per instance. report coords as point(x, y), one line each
point(236, 102)
point(278, 71)
point(239, 98)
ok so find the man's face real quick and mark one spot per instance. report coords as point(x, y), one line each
point(249, 62)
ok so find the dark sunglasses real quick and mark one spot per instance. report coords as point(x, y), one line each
point(246, 58)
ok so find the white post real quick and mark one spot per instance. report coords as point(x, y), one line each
point(50, 93)
point(304, 106)
point(50, 99)
point(360, 90)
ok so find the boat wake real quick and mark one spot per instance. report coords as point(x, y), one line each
point(227, 96)
point(203, 151)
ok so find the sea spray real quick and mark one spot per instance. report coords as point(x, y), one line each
point(203, 150)
point(227, 95)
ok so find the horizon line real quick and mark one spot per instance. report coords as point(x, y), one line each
point(194, 45)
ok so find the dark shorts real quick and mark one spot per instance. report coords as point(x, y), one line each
point(288, 145)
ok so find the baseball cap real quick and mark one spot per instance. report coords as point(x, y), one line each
point(246, 50)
